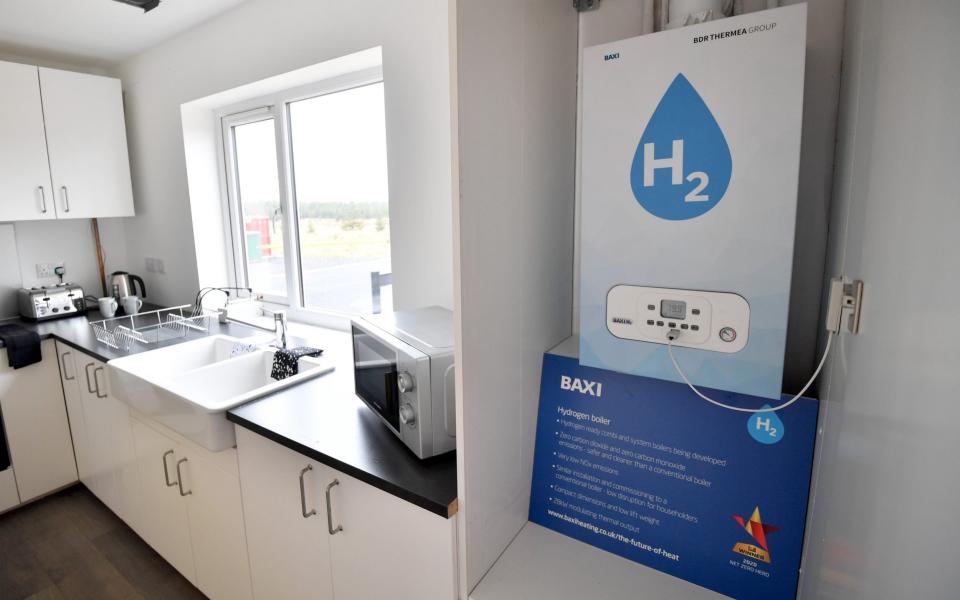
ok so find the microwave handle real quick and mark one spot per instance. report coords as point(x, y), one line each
point(390, 380)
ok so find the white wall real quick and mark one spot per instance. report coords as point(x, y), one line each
point(618, 19)
point(70, 242)
point(516, 94)
point(883, 522)
point(263, 38)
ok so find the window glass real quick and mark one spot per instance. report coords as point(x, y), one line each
point(260, 209)
point(338, 144)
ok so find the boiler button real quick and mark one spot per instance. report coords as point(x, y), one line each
point(728, 334)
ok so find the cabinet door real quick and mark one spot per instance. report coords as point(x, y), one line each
point(414, 550)
point(289, 553)
point(216, 528)
point(68, 358)
point(100, 477)
point(165, 525)
point(25, 190)
point(38, 433)
point(112, 470)
point(87, 144)
point(8, 490)
point(121, 457)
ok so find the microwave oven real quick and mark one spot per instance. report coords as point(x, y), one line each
point(404, 371)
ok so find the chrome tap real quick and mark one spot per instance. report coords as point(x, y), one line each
point(279, 324)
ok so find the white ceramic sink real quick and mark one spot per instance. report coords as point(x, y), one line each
point(190, 386)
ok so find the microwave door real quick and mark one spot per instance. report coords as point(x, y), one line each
point(375, 373)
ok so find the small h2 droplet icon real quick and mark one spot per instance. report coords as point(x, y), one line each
point(765, 427)
point(682, 165)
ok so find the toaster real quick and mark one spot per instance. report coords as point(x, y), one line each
point(55, 302)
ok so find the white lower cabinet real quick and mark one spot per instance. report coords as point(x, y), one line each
point(414, 550)
point(371, 545)
point(165, 525)
point(259, 521)
point(106, 443)
point(182, 499)
point(67, 358)
point(8, 490)
point(37, 429)
point(192, 512)
point(289, 553)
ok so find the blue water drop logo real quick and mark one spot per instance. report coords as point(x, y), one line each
point(682, 165)
point(765, 427)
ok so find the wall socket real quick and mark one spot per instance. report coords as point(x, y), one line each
point(155, 265)
point(45, 270)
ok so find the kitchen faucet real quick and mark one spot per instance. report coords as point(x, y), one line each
point(279, 324)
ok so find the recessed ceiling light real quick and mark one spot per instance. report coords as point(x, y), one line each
point(146, 5)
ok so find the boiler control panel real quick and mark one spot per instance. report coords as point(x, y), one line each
point(715, 321)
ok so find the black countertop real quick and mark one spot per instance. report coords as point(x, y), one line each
point(321, 418)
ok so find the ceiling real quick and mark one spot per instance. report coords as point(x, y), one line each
point(95, 32)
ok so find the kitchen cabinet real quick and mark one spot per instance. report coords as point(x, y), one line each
point(165, 526)
point(67, 358)
point(25, 189)
point(87, 144)
point(37, 429)
point(419, 547)
point(63, 146)
point(9, 497)
point(364, 544)
point(111, 470)
point(192, 510)
point(287, 534)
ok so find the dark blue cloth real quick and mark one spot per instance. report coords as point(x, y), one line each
point(23, 345)
point(286, 361)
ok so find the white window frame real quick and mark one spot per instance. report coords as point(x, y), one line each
point(276, 106)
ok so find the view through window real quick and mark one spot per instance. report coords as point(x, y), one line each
point(340, 176)
point(336, 209)
point(259, 195)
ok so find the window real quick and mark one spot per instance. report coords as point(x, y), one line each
point(308, 196)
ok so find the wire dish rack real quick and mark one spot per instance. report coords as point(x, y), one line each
point(151, 327)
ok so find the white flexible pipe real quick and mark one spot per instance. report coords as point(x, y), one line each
point(676, 365)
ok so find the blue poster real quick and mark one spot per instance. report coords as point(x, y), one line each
point(646, 470)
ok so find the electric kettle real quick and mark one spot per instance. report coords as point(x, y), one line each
point(124, 283)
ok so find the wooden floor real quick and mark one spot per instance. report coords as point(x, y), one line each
point(69, 545)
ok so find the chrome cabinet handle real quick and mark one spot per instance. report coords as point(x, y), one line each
point(66, 199)
point(180, 478)
point(166, 472)
point(97, 382)
point(303, 496)
point(330, 510)
point(63, 361)
point(43, 200)
point(87, 370)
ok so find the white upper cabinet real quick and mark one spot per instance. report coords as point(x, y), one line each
point(87, 144)
point(63, 146)
point(25, 189)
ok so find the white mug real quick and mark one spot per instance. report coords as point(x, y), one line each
point(131, 304)
point(108, 307)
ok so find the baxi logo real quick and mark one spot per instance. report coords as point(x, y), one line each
point(682, 165)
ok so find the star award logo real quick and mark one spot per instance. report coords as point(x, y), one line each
point(758, 530)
